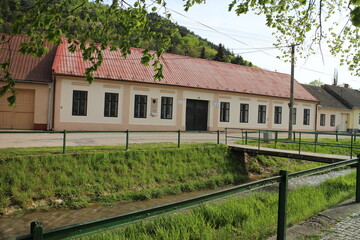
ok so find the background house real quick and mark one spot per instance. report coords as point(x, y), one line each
point(331, 114)
point(33, 78)
point(351, 99)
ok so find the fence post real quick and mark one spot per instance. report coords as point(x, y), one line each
point(225, 136)
point(299, 142)
point(179, 132)
point(276, 138)
point(294, 137)
point(218, 136)
point(64, 142)
point(351, 146)
point(259, 139)
point(127, 140)
point(357, 197)
point(246, 139)
point(242, 137)
point(337, 137)
point(316, 139)
point(36, 230)
point(282, 206)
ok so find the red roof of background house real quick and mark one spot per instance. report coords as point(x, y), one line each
point(182, 71)
point(26, 67)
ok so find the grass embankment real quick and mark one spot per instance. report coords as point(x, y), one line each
point(41, 178)
point(74, 180)
point(323, 145)
point(247, 217)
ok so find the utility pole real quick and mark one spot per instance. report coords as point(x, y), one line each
point(291, 103)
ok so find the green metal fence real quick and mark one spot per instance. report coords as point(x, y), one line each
point(127, 135)
point(301, 138)
point(37, 232)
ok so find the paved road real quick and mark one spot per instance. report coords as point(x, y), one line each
point(13, 140)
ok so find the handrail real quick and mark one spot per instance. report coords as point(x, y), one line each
point(104, 224)
point(297, 138)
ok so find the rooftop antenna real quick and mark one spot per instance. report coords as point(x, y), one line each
point(336, 76)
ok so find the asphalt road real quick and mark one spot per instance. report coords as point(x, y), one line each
point(14, 140)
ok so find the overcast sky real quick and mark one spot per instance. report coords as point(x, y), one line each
point(248, 36)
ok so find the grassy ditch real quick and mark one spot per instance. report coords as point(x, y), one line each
point(40, 181)
point(245, 217)
point(323, 145)
point(75, 180)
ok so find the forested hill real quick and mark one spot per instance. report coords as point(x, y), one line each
point(184, 42)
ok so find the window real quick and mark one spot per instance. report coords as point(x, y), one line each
point(140, 106)
point(332, 120)
point(111, 104)
point(166, 107)
point(224, 111)
point(322, 119)
point(278, 115)
point(79, 106)
point(306, 116)
point(244, 113)
point(294, 116)
point(262, 114)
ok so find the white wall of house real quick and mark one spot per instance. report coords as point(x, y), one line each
point(95, 103)
point(339, 121)
point(95, 119)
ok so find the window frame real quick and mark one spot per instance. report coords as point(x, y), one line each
point(306, 116)
point(111, 105)
point(332, 120)
point(322, 119)
point(224, 111)
point(278, 115)
point(262, 114)
point(244, 112)
point(167, 108)
point(140, 103)
point(79, 100)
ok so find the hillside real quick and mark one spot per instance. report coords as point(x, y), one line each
point(184, 42)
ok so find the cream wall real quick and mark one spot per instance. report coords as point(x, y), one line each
point(338, 118)
point(127, 90)
point(152, 118)
point(354, 119)
point(41, 100)
point(95, 104)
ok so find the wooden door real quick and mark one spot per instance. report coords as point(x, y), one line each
point(196, 115)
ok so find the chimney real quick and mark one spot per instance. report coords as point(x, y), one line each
point(346, 85)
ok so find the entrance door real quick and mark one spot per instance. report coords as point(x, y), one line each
point(343, 123)
point(20, 117)
point(196, 115)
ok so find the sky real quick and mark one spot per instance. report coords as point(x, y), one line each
point(248, 36)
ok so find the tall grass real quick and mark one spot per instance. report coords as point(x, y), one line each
point(245, 217)
point(74, 180)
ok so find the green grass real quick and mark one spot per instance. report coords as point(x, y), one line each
point(245, 217)
point(342, 147)
point(11, 152)
point(107, 177)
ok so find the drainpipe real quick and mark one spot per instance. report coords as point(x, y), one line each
point(316, 116)
point(48, 127)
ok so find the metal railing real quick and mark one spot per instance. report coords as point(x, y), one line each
point(37, 232)
point(300, 138)
point(126, 133)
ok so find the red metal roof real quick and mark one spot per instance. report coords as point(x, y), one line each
point(26, 67)
point(183, 71)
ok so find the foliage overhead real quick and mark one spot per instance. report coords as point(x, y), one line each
point(122, 25)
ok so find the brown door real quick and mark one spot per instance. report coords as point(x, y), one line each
point(21, 116)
